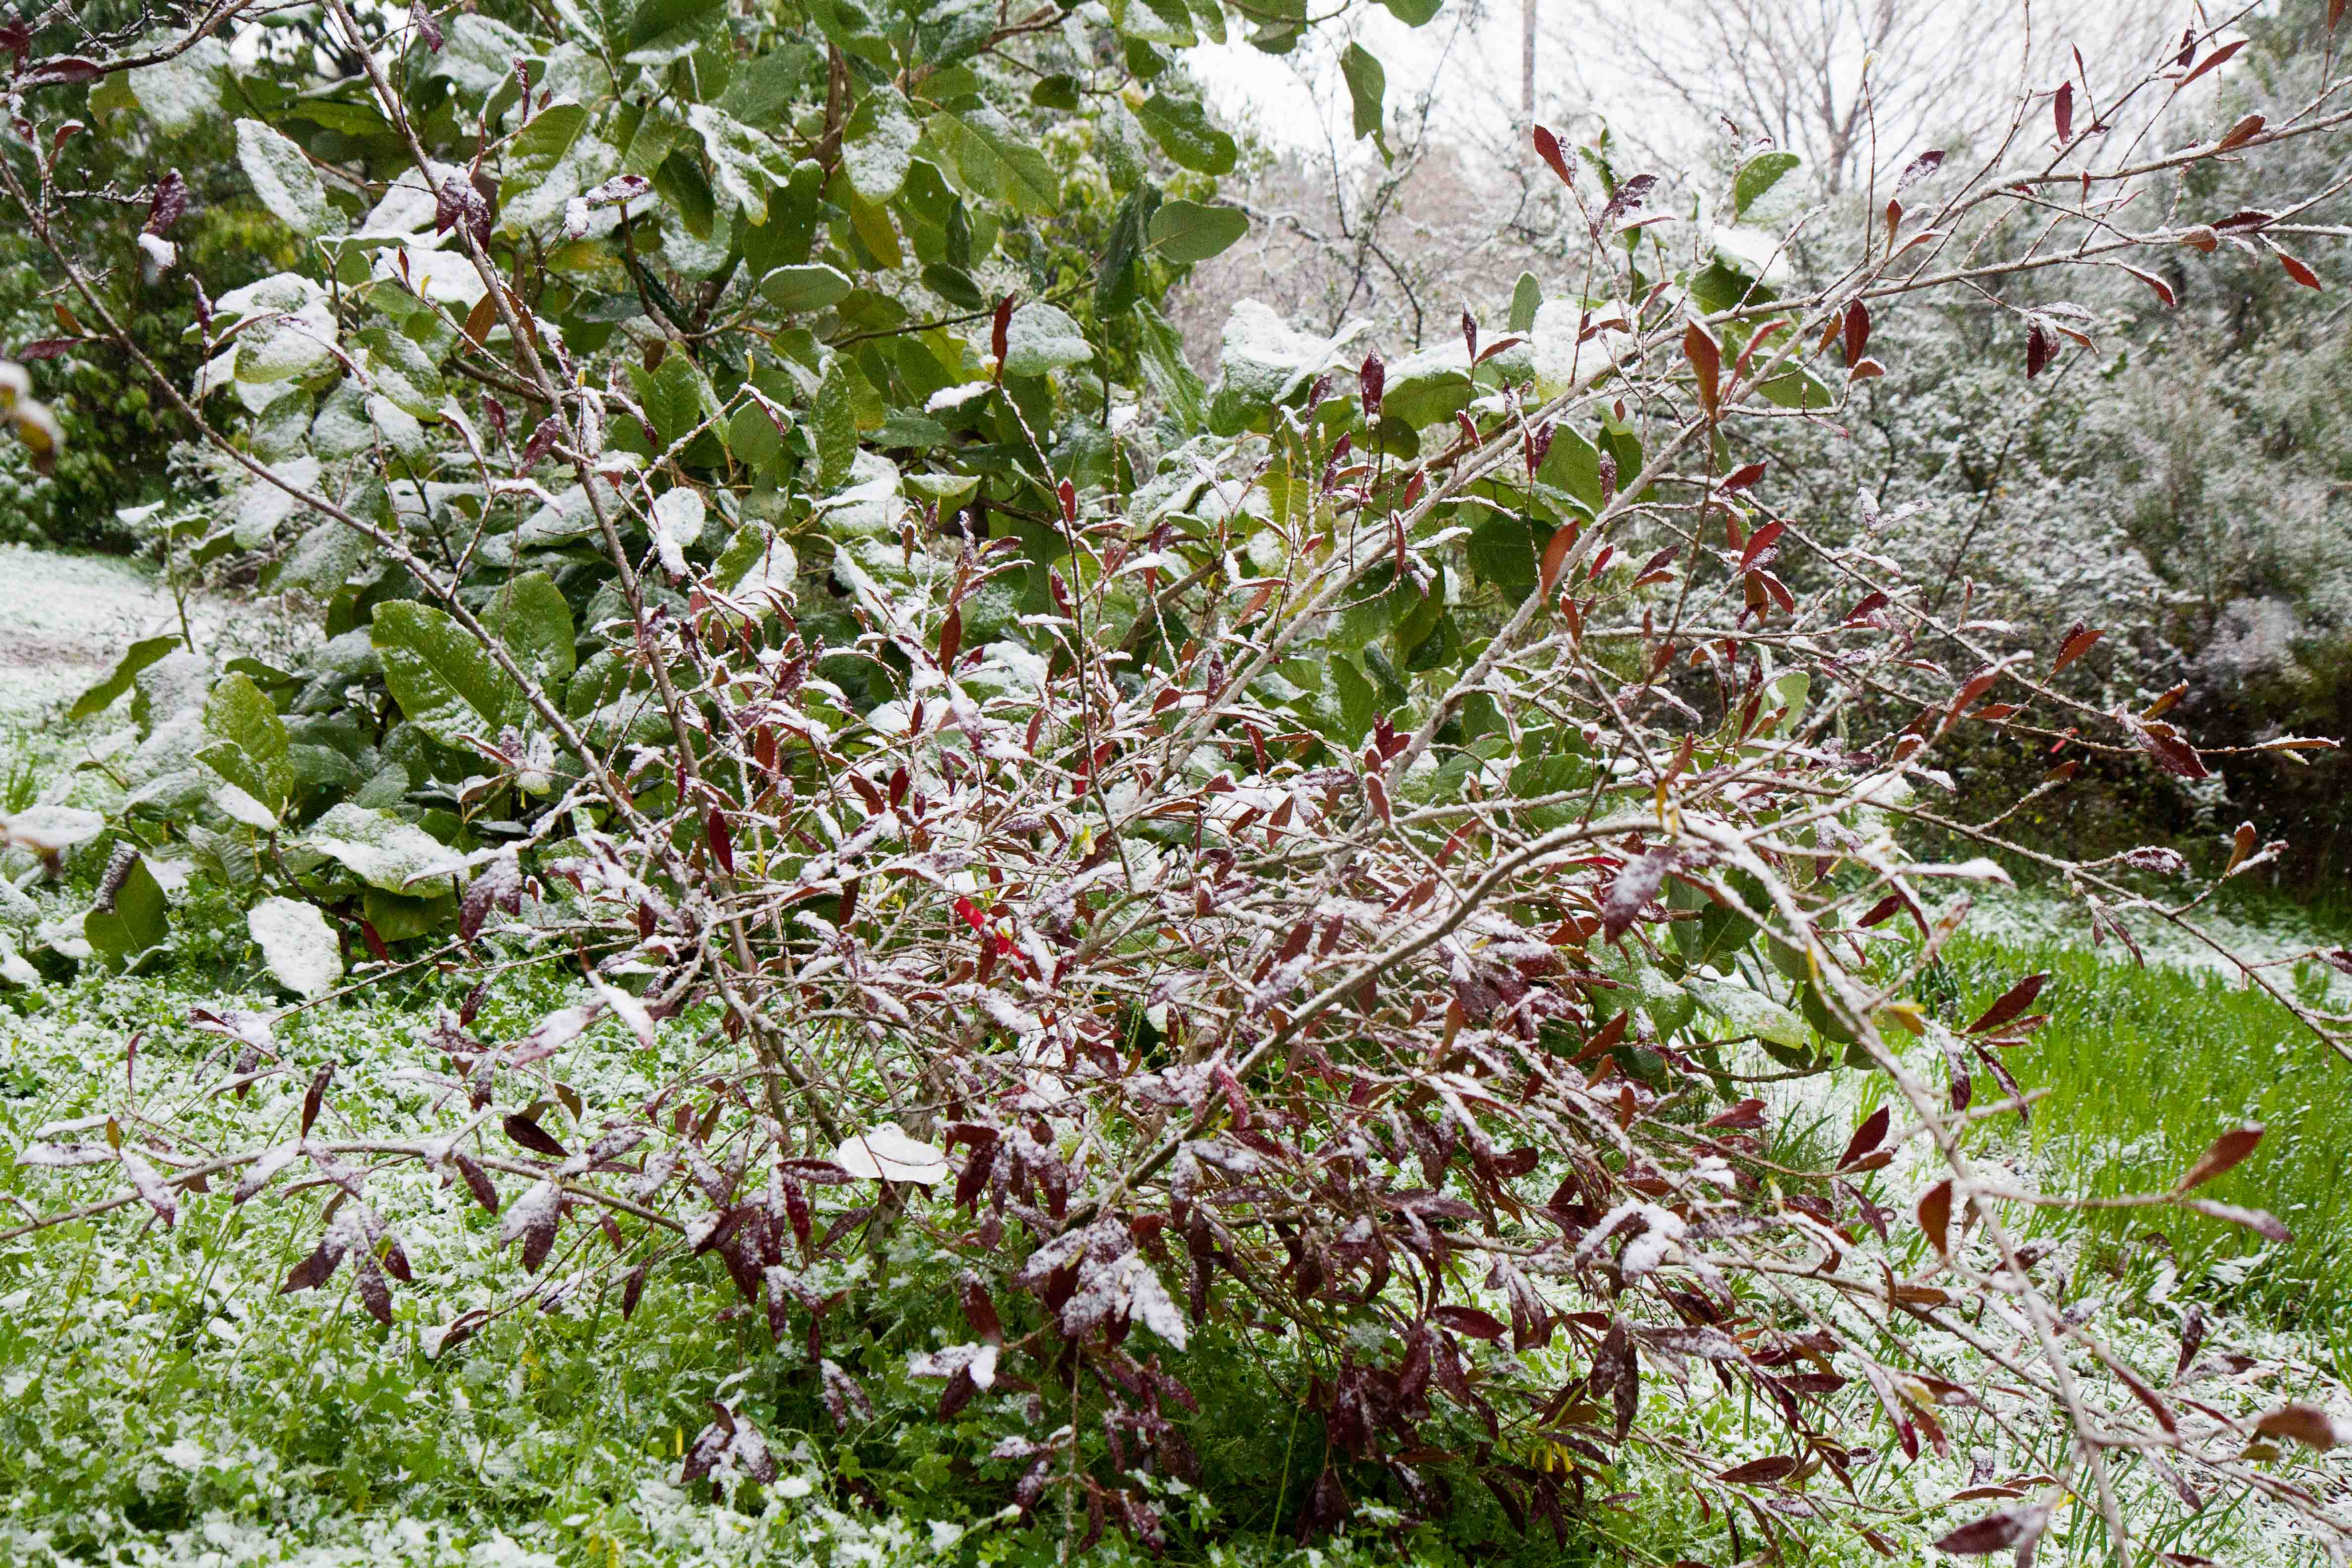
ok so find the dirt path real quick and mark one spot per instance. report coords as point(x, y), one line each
point(65, 619)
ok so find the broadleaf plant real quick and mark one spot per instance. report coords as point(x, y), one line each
point(1322, 852)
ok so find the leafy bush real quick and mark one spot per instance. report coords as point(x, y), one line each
point(1300, 874)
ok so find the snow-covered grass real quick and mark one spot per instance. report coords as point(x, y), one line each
point(2145, 1066)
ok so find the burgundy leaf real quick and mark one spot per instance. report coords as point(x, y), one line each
point(1633, 890)
point(532, 1136)
point(1866, 1137)
point(1469, 1321)
point(168, 206)
point(2011, 1002)
point(2228, 1150)
point(1996, 1533)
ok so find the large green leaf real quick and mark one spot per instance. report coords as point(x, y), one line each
point(833, 426)
point(132, 922)
point(1367, 87)
point(1193, 231)
point(379, 848)
point(136, 658)
point(1182, 128)
point(249, 749)
point(282, 177)
point(443, 680)
point(802, 289)
point(1760, 175)
point(877, 144)
point(297, 944)
point(531, 617)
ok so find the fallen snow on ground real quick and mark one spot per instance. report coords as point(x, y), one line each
point(65, 619)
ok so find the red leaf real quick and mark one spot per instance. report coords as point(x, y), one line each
point(2061, 112)
point(1740, 477)
point(1757, 1471)
point(1935, 1216)
point(1548, 148)
point(315, 1096)
point(428, 27)
point(2013, 1002)
point(2244, 132)
point(2229, 1151)
point(1635, 886)
point(1747, 1113)
point(1469, 1321)
point(1917, 169)
point(60, 70)
point(1761, 540)
point(532, 1136)
point(1996, 1533)
point(1371, 377)
point(2297, 270)
point(2305, 1423)
point(2217, 57)
point(46, 348)
point(722, 843)
point(2163, 289)
point(1857, 331)
point(951, 637)
point(1555, 556)
point(2038, 349)
point(2265, 1225)
point(1705, 358)
point(1866, 1137)
point(997, 331)
point(2078, 642)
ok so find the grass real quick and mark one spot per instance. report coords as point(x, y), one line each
point(2146, 1066)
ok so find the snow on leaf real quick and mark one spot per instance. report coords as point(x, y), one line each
point(282, 177)
point(885, 1153)
point(297, 944)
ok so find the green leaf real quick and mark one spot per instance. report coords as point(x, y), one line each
point(1059, 91)
point(1182, 128)
point(1745, 1013)
point(832, 425)
point(532, 618)
point(992, 160)
point(251, 749)
point(540, 146)
point(379, 848)
point(1115, 287)
point(1796, 389)
point(138, 657)
point(1358, 702)
point(803, 289)
point(680, 397)
point(398, 919)
point(1161, 350)
point(1043, 337)
point(1367, 87)
point(297, 944)
point(282, 177)
point(878, 144)
point(1413, 13)
point(741, 172)
point(1503, 551)
point(1527, 299)
point(954, 285)
point(442, 679)
point(1760, 175)
point(135, 923)
point(1192, 231)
